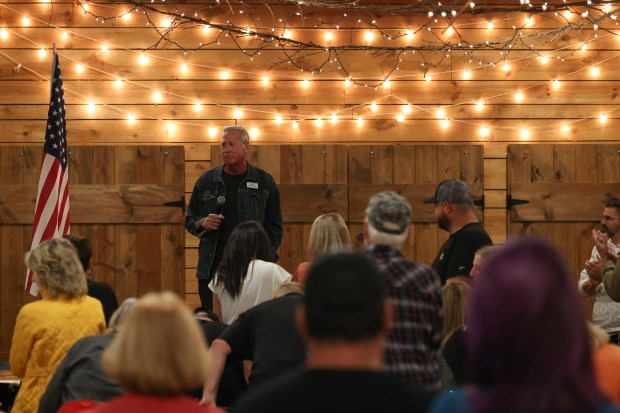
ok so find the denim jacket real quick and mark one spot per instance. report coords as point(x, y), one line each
point(260, 202)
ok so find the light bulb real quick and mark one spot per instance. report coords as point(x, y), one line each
point(525, 134)
point(104, 48)
point(359, 121)
point(334, 118)
point(225, 74)
point(445, 123)
point(278, 119)
point(386, 83)
point(65, 36)
point(295, 124)
point(603, 118)
point(410, 34)
point(506, 67)
point(479, 104)
point(428, 77)
point(206, 28)
point(119, 83)
point(287, 34)
point(369, 36)
point(238, 113)
point(254, 132)
point(466, 74)
point(166, 22)
point(607, 8)
point(26, 21)
point(544, 60)
point(79, 68)
point(157, 97)
point(329, 36)
point(565, 128)
point(555, 84)
point(4, 33)
point(519, 96)
point(197, 106)
point(484, 131)
point(449, 31)
point(489, 25)
point(374, 107)
point(91, 107)
point(318, 122)
point(400, 117)
point(440, 113)
point(131, 118)
point(212, 131)
point(595, 71)
point(126, 17)
point(170, 129)
point(347, 83)
point(407, 108)
point(41, 52)
point(305, 83)
point(265, 80)
point(143, 59)
point(184, 67)
point(584, 47)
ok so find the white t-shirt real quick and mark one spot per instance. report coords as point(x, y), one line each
point(261, 281)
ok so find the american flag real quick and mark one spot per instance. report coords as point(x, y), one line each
point(51, 216)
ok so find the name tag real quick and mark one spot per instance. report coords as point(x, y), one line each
point(253, 185)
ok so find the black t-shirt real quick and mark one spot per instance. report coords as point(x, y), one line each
point(456, 255)
point(231, 214)
point(455, 354)
point(337, 391)
point(267, 335)
point(104, 293)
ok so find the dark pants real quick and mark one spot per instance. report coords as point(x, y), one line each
point(206, 295)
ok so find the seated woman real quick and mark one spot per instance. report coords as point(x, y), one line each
point(156, 356)
point(244, 277)
point(329, 233)
point(455, 299)
point(527, 339)
point(46, 329)
point(79, 375)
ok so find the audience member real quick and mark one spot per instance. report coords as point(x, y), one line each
point(80, 375)
point(266, 335)
point(455, 300)
point(245, 277)
point(345, 321)
point(46, 329)
point(156, 356)
point(101, 291)
point(606, 360)
point(329, 234)
point(455, 213)
point(412, 350)
point(527, 339)
point(479, 257)
point(232, 383)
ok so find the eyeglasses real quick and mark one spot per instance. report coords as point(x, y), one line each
point(608, 218)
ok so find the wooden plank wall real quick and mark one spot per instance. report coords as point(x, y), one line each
point(24, 93)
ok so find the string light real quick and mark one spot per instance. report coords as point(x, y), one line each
point(238, 113)
point(131, 118)
point(318, 122)
point(91, 107)
point(170, 129)
point(544, 60)
point(65, 36)
point(490, 25)
point(386, 83)
point(484, 131)
point(334, 118)
point(79, 68)
point(4, 34)
point(104, 48)
point(445, 123)
point(329, 36)
point(126, 17)
point(157, 97)
point(506, 66)
point(347, 83)
point(265, 80)
point(197, 106)
point(119, 83)
point(254, 132)
point(595, 71)
point(603, 118)
point(525, 134)
point(407, 108)
point(440, 113)
point(166, 22)
point(41, 52)
point(584, 47)
point(428, 77)
point(305, 83)
point(287, 34)
point(225, 74)
point(143, 59)
point(479, 105)
point(400, 117)
point(410, 34)
point(466, 74)
point(374, 106)
point(565, 128)
point(206, 28)
point(184, 68)
point(212, 131)
point(369, 36)
point(519, 96)
point(359, 121)
point(555, 84)
point(278, 119)
point(295, 124)
point(26, 21)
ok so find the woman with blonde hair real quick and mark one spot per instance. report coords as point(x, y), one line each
point(46, 329)
point(455, 296)
point(157, 355)
point(329, 234)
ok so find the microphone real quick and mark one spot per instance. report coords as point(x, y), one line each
point(220, 204)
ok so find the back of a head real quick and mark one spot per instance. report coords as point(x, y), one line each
point(527, 337)
point(329, 233)
point(83, 247)
point(455, 300)
point(57, 268)
point(388, 215)
point(120, 315)
point(344, 298)
point(159, 350)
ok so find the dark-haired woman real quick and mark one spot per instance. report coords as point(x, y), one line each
point(245, 276)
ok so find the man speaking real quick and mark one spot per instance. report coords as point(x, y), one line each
point(222, 197)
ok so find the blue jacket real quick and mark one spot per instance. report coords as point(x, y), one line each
point(259, 203)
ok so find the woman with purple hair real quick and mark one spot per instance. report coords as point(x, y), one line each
point(527, 339)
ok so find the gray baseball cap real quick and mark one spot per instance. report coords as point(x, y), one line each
point(389, 212)
point(452, 192)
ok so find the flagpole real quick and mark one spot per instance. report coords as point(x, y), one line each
point(53, 67)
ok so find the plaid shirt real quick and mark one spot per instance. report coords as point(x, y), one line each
point(413, 348)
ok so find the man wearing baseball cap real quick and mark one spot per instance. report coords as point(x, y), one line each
point(455, 213)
